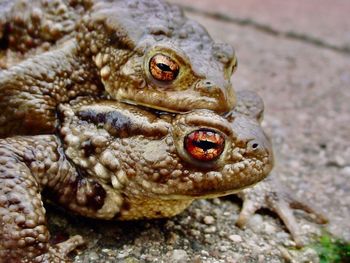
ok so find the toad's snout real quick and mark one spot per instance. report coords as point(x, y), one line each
point(204, 144)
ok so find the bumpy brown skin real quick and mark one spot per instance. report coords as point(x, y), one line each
point(109, 51)
point(25, 25)
point(27, 163)
point(32, 27)
point(115, 161)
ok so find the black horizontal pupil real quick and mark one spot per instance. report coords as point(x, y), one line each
point(163, 67)
point(205, 145)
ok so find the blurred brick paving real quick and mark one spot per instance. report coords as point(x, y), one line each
point(324, 20)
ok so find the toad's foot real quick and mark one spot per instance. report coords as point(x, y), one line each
point(269, 194)
point(60, 251)
point(24, 236)
point(54, 254)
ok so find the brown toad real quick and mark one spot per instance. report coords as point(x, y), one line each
point(137, 51)
point(116, 161)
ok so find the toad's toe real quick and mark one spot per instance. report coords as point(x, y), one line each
point(268, 194)
point(59, 252)
point(69, 245)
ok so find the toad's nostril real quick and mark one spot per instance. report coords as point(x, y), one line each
point(255, 145)
point(204, 144)
point(205, 84)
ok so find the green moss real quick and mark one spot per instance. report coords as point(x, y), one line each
point(331, 250)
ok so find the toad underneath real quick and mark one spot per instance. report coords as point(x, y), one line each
point(116, 161)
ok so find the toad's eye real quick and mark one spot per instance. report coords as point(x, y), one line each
point(163, 68)
point(204, 144)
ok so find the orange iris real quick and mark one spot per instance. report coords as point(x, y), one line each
point(204, 144)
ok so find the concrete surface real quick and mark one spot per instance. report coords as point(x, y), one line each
point(324, 22)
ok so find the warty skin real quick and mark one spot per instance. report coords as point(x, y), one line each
point(169, 63)
point(116, 161)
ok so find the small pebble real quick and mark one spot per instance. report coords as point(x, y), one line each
point(211, 229)
point(209, 220)
point(261, 259)
point(269, 229)
point(345, 171)
point(223, 249)
point(93, 256)
point(235, 238)
point(339, 160)
point(179, 256)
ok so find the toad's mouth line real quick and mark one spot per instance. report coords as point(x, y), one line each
point(205, 196)
point(159, 110)
point(154, 108)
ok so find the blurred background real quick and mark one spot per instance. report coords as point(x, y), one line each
point(322, 21)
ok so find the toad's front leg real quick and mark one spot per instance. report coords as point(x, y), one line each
point(31, 90)
point(24, 236)
point(271, 195)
